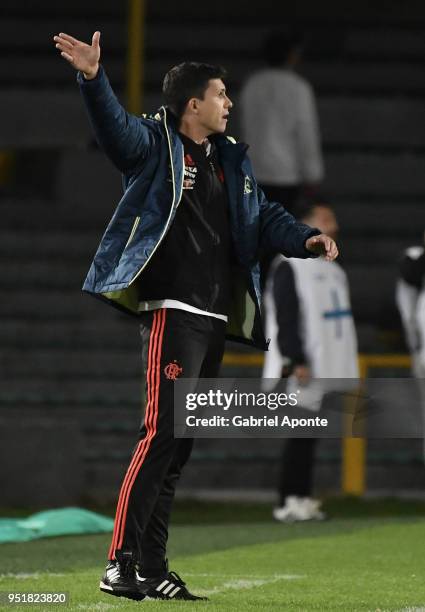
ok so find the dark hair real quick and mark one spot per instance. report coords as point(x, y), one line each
point(279, 44)
point(188, 80)
point(305, 205)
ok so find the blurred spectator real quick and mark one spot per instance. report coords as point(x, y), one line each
point(309, 321)
point(279, 121)
point(410, 298)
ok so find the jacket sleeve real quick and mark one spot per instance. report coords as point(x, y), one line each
point(280, 232)
point(287, 314)
point(124, 138)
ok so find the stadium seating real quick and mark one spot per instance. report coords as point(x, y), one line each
point(62, 350)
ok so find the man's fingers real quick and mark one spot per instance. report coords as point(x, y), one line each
point(67, 56)
point(64, 43)
point(95, 39)
point(333, 251)
point(324, 245)
point(69, 38)
point(63, 47)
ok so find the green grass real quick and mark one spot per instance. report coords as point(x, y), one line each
point(369, 557)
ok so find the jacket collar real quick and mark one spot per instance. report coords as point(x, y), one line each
point(228, 150)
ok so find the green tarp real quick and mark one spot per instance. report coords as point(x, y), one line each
point(62, 521)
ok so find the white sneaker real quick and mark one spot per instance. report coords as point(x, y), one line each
point(313, 509)
point(299, 509)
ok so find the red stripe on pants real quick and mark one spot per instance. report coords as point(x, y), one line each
point(153, 378)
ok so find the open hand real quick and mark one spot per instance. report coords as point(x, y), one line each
point(80, 55)
point(322, 245)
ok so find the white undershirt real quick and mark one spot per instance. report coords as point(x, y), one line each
point(156, 304)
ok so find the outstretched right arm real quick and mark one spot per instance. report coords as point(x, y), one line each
point(123, 136)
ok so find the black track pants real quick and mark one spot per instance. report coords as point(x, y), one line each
point(296, 477)
point(175, 343)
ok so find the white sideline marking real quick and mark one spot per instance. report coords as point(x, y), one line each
point(259, 576)
point(408, 609)
point(97, 606)
point(249, 576)
point(241, 582)
point(32, 576)
point(414, 609)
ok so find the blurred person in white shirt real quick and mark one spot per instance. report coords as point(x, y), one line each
point(279, 120)
point(410, 299)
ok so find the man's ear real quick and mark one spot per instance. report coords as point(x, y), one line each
point(193, 105)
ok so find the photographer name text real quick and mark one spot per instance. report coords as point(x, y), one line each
point(251, 421)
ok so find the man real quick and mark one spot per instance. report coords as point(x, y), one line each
point(309, 320)
point(279, 120)
point(180, 253)
point(410, 299)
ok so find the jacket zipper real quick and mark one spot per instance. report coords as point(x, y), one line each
point(173, 202)
point(215, 241)
point(135, 224)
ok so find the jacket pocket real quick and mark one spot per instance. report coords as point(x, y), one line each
point(133, 229)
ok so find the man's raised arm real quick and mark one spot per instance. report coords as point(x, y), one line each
point(123, 136)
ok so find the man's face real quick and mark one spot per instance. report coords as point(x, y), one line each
point(213, 110)
point(324, 219)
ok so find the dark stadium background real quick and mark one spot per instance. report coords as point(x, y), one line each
point(70, 394)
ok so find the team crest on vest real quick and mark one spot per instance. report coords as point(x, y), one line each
point(247, 188)
point(173, 370)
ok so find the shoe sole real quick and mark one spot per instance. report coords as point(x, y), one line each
point(292, 519)
point(153, 596)
point(105, 588)
point(150, 598)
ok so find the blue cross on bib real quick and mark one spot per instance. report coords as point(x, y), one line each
point(337, 313)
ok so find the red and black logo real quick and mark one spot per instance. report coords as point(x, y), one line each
point(173, 370)
point(190, 171)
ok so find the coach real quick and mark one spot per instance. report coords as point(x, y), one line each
point(181, 253)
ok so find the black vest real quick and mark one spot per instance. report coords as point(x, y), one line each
point(192, 264)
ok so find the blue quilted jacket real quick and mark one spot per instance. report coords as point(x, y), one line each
point(149, 153)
